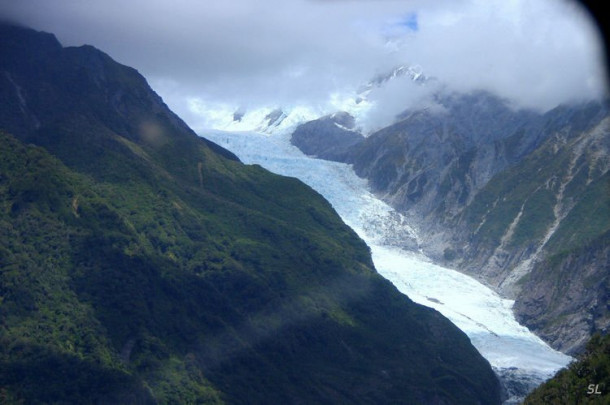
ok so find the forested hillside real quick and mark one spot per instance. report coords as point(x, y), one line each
point(141, 264)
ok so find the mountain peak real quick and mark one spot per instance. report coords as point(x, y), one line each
point(413, 72)
point(17, 41)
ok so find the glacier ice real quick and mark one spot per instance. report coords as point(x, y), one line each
point(519, 357)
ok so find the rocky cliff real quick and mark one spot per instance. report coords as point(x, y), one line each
point(537, 232)
point(329, 137)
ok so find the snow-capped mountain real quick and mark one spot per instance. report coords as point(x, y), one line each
point(412, 72)
point(357, 102)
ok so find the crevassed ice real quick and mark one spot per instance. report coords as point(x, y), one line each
point(514, 352)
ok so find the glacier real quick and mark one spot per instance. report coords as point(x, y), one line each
point(520, 359)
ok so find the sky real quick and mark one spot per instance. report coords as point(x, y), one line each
point(205, 56)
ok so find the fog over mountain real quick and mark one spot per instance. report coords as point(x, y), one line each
point(205, 58)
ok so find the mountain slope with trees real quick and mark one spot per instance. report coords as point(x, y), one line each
point(585, 381)
point(143, 264)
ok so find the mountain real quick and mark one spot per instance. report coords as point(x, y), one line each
point(356, 102)
point(516, 198)
point(545, 239)
point(328, 137)
point(412, 73)
point(142, 264)
point(411, 161)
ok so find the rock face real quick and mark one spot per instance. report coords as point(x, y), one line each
point(580, 278)
point(143, 264)
point(498, 193)
point(329, 137)
point(540, 230)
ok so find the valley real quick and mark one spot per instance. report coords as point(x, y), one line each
point(143, 264)
point(520, 358)
point(318, 218)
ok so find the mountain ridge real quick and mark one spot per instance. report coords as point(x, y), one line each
point(482, 182)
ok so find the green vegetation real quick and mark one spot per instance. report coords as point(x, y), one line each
point(140, 263)
point(537, 217)
point(560, 187)
point(531, 187)
point(140, 291)
point(518, 190)
point(589, 218)
point(586, 381)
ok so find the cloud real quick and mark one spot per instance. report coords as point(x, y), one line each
point(537, 53)
point(250, 53)
point(387, 102)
